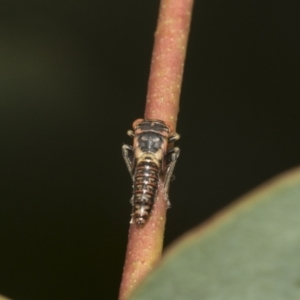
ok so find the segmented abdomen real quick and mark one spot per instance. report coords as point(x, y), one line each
point(145, 186)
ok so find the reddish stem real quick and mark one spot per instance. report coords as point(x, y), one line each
point(168, 60)
point(145, 244)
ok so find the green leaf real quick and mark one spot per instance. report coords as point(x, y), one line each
point(249, 251)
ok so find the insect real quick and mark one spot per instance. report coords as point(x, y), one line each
point(148, 161)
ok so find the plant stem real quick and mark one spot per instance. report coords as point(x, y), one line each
point(167, 63)
point(145, 244)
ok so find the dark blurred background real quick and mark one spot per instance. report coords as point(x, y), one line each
point(73, 78)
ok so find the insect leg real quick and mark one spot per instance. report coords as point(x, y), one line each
point(131, 133)
point(174, 137)
point(128, 157)
point(171, 159)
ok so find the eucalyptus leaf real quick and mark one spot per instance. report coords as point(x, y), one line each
point(250, 251)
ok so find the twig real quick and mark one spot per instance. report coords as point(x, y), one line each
point(145, 244)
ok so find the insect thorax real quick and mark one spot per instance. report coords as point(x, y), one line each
point(150, 141)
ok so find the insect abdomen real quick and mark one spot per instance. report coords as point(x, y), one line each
point(145, 186)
